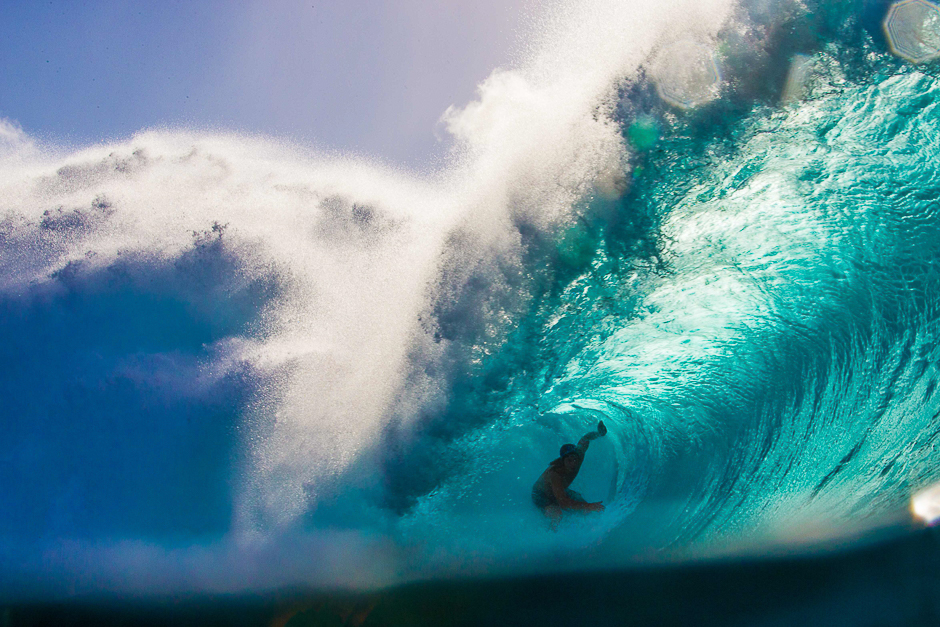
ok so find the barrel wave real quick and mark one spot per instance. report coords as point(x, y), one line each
point(230, 363)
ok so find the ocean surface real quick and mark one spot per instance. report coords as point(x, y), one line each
point(232, 364)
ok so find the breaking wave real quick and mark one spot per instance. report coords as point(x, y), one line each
point(229, 363)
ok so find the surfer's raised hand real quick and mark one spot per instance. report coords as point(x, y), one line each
point(593, 435)
point(595, 507)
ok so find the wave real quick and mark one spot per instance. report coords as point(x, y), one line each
point(230, 363)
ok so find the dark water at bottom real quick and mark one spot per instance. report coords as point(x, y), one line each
point(892, 582)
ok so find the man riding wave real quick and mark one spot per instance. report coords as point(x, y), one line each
point(551, 493)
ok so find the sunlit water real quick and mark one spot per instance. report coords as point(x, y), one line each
point(230, 364)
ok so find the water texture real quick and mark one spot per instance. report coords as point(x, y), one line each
point(231, 364)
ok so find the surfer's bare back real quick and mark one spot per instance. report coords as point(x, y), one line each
point(551, 494)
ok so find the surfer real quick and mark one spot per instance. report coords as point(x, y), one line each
point(551, 494)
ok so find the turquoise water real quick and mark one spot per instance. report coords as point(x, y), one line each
point(760, 332)
point(230, 363)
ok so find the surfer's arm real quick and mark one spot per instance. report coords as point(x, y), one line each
point(584, 442)
point(566, 502)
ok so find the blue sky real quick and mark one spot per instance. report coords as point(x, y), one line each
point(368, 76)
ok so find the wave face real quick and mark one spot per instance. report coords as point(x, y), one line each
point(230, 364)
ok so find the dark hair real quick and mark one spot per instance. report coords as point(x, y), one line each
point(566, 450)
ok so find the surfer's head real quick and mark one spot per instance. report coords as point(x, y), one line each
point(569, 456)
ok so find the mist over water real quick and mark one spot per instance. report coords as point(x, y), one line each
point(231, 364)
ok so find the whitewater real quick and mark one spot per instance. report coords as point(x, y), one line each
point(233, 363)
